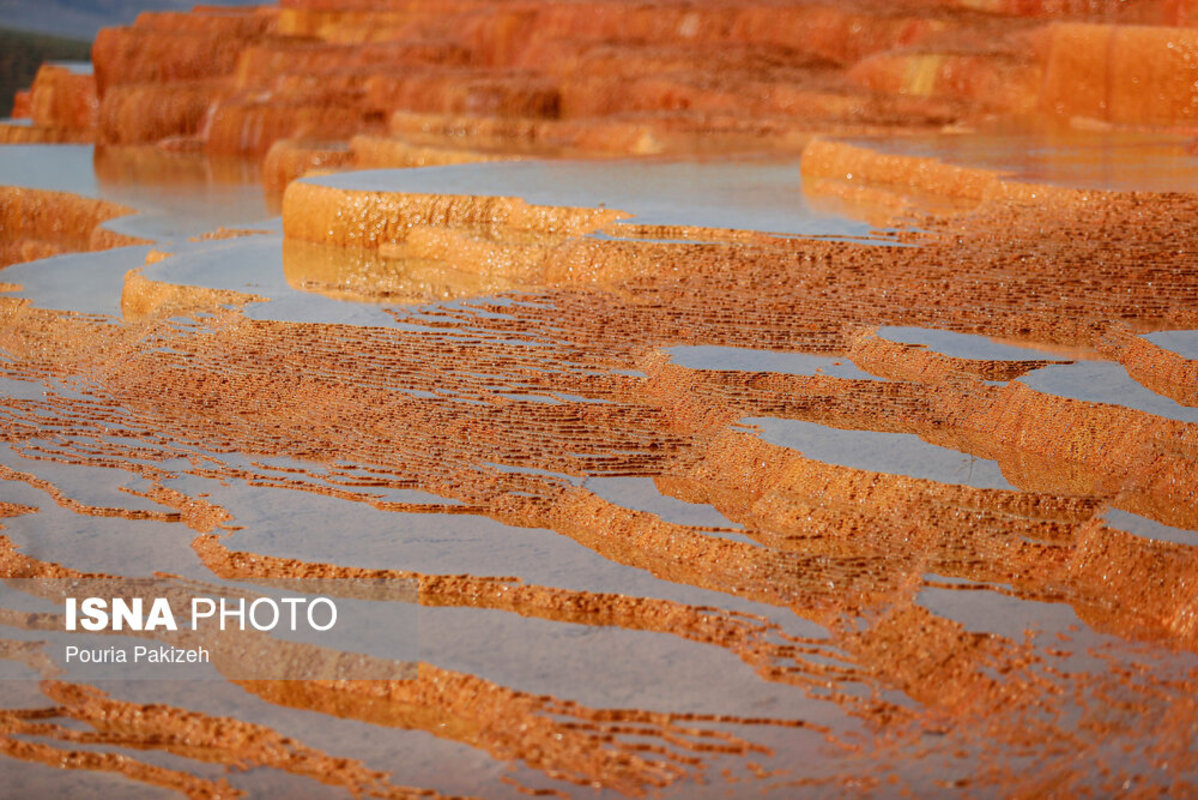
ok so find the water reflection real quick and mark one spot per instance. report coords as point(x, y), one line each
point(622, 583)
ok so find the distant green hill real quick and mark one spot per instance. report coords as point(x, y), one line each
point(21, 53)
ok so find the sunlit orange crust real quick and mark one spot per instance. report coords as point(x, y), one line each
point(185, 384)
point(41, 223)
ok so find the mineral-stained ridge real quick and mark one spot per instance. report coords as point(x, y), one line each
point(400, 83)
point(487, 398)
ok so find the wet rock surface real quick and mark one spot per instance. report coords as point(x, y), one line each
point(844, 466)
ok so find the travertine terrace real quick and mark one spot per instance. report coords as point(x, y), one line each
point(903, 504)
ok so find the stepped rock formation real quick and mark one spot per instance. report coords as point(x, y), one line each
point(863, 549)
point(418, 82)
